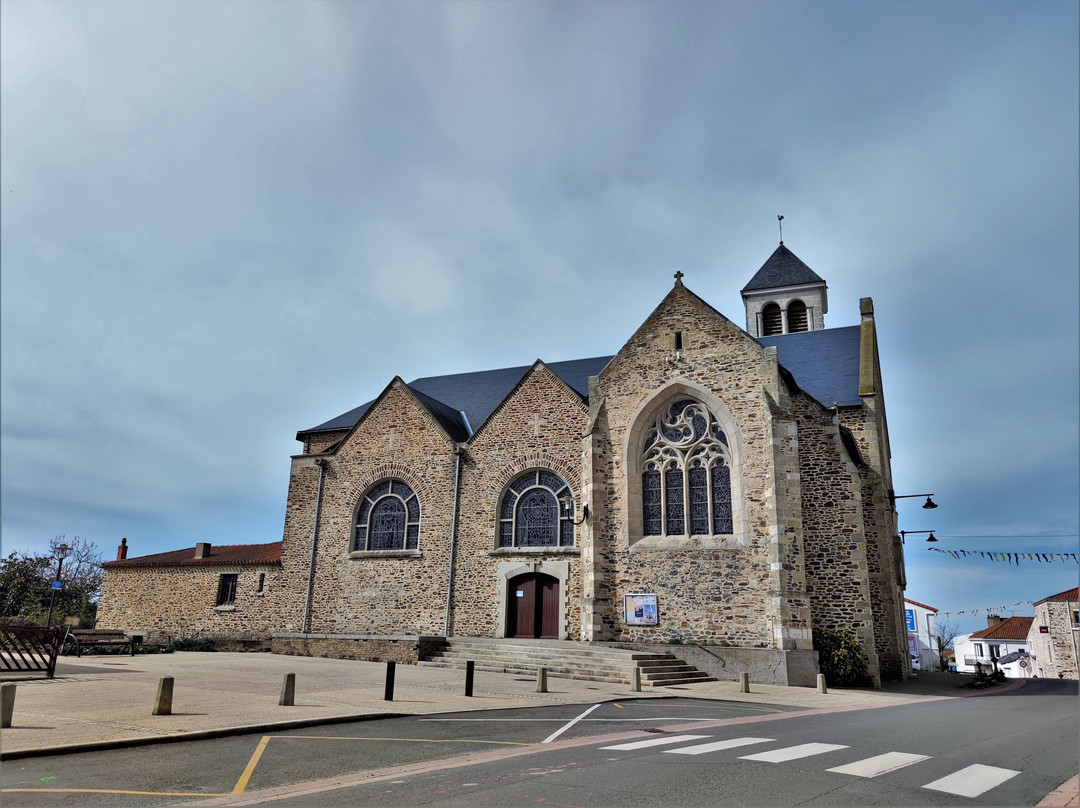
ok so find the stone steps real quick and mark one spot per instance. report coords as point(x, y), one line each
point(568, 660)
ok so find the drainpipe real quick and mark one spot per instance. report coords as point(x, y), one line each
point(321, 463)
point(459, 450)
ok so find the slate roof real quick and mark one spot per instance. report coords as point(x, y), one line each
point(1068, 594)
point(824, 363)
point(461, 402)
point(1012, 628)
point(227, 555)
point(783, 268)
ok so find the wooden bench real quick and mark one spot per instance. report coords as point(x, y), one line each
point(92, 638)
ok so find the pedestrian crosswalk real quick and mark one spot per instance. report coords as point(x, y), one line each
point(971, 781)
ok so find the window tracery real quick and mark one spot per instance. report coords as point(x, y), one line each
point(388, 518)
point(537, 510)
point(686, 473)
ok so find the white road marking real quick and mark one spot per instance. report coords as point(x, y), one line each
point(564, 728)
point(668, 739)
point(715, 746)
point(879, 764)
point(794, 752)
point(972, 781)
point(586, 720)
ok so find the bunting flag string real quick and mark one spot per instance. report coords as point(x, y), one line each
point(997, 609)
point(1011, 558)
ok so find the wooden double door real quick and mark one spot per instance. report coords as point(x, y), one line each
point(533, 606)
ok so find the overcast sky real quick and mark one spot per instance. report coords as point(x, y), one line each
point(225, 222)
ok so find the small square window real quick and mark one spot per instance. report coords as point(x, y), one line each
point(226, 592)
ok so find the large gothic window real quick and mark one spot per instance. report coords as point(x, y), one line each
point(537, 510)
point(686, 473)
point(388, 518)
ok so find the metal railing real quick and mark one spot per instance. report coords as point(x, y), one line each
point(29, 648)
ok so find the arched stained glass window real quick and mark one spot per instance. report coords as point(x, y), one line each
point(388, 518)
point(537, 510)
point(685, 473)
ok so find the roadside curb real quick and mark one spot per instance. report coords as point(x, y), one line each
point(1066, 795)
point(197, 735)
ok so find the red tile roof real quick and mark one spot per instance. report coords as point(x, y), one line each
point(227, 555)
point(922, 605)
point(1068, 594)
point(1011, 628)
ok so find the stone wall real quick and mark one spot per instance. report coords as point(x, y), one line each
point(1057, 652)
point(747, 588)
point(380, 592)
point(180, 602)
point(403, 648)
point(538, 426)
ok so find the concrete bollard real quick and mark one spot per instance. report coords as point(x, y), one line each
point(391, 671)
point(288, 690)
point(470, 668)
point(635, 679)
point(744, 682)
point(163, 705)
point(7, 704)
point(541, 680)
point(821, 688)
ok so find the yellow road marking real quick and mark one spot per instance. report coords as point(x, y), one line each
point(109, 791)
point(619, 705)
point(241, 784)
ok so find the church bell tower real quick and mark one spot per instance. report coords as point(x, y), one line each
point(785, 296)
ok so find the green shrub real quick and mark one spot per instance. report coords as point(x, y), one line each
point(841, 658)
point(194, 644)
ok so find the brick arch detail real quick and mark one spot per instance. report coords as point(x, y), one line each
point(384, 471)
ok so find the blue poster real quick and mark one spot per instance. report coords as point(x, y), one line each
point(910, 619)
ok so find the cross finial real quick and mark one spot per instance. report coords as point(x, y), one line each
point(780, 221)
point(678, 278)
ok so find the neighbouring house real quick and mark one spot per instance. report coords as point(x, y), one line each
point(1054, 636)
point(922, 634)
point(1001, 637)
point(705, 484)
point(228, 592)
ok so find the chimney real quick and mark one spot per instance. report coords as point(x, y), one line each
point(993, 620)
point(121, 551)
point(202, 549)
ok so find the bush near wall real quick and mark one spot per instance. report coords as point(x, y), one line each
point(841, 658)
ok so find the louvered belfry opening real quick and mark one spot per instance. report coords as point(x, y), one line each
point(796, 317)
point(772, 321)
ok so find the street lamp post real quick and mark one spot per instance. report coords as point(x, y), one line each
point(62, 552)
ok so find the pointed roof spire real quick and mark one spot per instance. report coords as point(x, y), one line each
point(782, 269)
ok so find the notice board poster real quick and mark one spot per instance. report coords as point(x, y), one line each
point(640, 610)
point(910, 615)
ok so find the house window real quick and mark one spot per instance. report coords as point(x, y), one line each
point(796, 317)
point(537, 510)
point(226, 590)
point(772, 320)
point(995, 651)
point(387, 518)
point(686, 474)
point(1076, 618)
point(262, 583)
point(978, 649)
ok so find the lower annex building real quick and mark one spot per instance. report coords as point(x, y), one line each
point(706, 484)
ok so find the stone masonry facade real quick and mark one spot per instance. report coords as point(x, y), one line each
point(812, 541)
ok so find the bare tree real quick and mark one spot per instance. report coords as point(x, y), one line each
point(946, 630)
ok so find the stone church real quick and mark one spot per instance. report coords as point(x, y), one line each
point(707, 484)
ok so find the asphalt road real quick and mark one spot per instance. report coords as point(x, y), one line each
point(681, 752)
